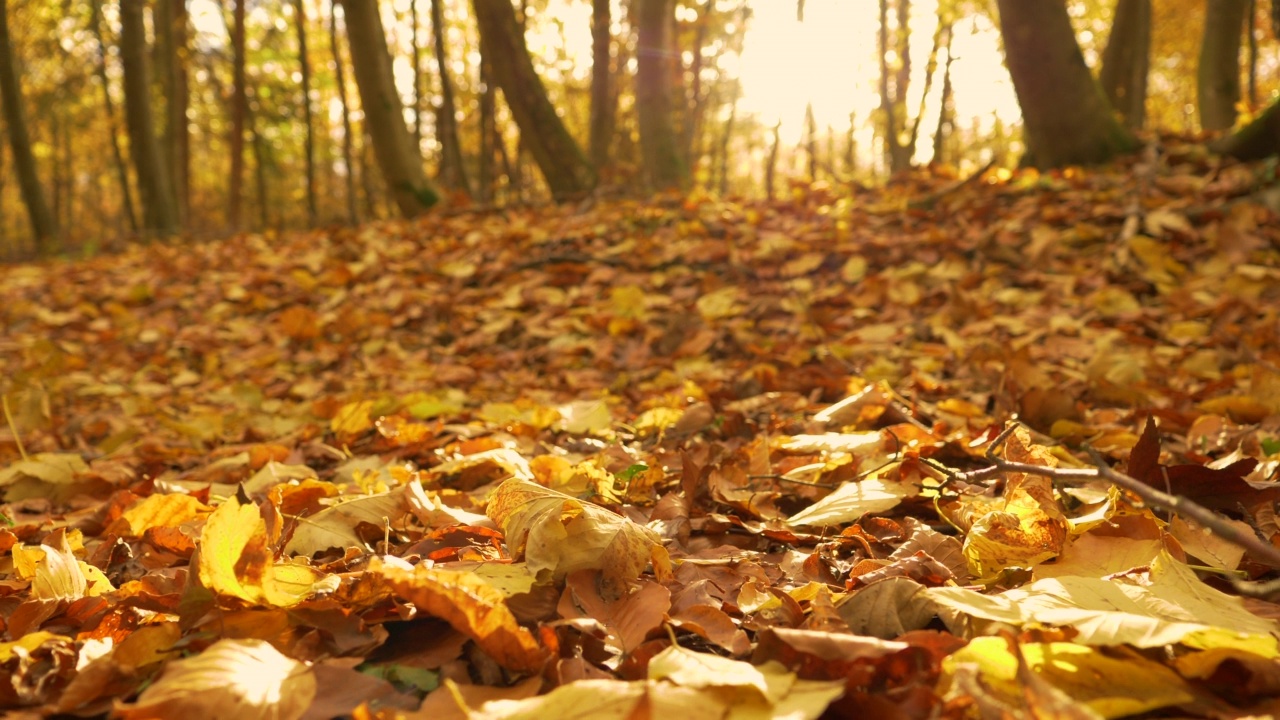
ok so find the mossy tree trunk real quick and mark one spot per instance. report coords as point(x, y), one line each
point(1257, 140)
point(1066, 119)
point(399, 160)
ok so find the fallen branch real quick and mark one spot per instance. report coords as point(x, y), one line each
point(1205, 517)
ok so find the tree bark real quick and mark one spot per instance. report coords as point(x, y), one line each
point(655, 55)
point(309, 143)
point(452, 171)
point(1065, 116)
point(43, 227)
point(1255, 141)
point(340, 77)
point(415, 57)
point(490, 141)
point(1126, 59)
point(563, 166)
point(160, 215)
point(400, 162)
point(117, 155)
point(239, 111)
point(603, 100)
point(175, 140)
point(1218, 74)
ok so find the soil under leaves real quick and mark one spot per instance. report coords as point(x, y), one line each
point(629, 459)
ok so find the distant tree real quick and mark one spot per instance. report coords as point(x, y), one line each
point(100, 68)
point(894, 78)
point(561, 161)
point(42, 223)
point(400, 162)
point(1126, 60)
point(452, 171)
point(655, 55)
point(1218, 74)
point(1066, 118)
point(239, 116)
point(603, 100)
point(158, 209)
point(175, 141)
point(309, 143)
point(348, 153)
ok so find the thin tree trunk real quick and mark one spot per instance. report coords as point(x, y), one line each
point(415, 55)
point(1218, 75)
point(160, 215)
point(100, 68)
point(239, 111)
point(603, 100)
point(43, 227)
point(400, 162)
point(1125, 61)
point(724, 146)
point(258, 145)
point(893, 84)
point(452, 171)
point(1066, 117)
point(659, 143)
point(930, 69)
point(771, 165)
point(565, 168)
point(489, 139)
point(309, 143)
point(946, 113)
point(348, 163)
point(697, 99)
point(1251, 32)
point(811, 142)
point(171, 35)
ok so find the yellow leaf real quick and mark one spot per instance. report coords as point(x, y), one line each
point(159, 511)
point(243, 679)
point(559, 534)
point(1111, 686)
point(472, 606)
point(352, 418)
point(234, 561)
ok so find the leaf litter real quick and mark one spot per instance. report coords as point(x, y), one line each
point(681, 456)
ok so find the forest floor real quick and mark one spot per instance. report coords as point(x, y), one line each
point(689, 455)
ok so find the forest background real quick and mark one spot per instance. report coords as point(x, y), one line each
point(249, 115)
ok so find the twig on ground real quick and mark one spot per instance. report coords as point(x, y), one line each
point(1205, 517)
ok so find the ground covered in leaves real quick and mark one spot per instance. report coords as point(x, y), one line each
point(685, 456)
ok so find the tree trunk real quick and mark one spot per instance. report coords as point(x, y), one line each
point(489, 138)
point(160, 215)
point(1255, 141)
point(771, 164)
point(1218, 75)
point(175, 142)
point(42, 224)
point(561, 161)
point(452, 171)
point(946, 113)
point(696, 103)
point(340, 76)
point(603, 100)
point(400, 162)
point(309, 143)
point(415, 56)
point(239, 111)
point(1065, 116)
point(1126, 59)
point(117, 155)
point(894, 80)
point(659, 143)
